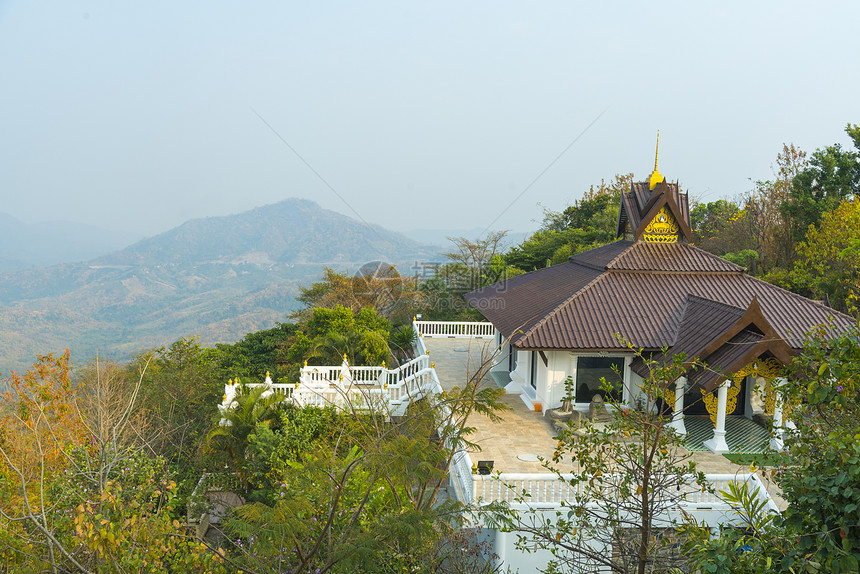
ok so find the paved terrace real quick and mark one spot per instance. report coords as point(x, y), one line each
point(515, 443)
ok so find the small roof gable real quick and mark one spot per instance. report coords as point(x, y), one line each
point(723, 337)
point(641, 205)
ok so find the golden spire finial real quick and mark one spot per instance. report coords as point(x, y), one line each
point(656, 176)
point(657, 151)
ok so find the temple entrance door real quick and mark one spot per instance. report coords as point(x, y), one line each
point(694, 402)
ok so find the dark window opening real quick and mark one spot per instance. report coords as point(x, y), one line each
point(590, 371)
point(534, 370)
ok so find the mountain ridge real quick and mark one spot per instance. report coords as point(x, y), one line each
point(217, 277)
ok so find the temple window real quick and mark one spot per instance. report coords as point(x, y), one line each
point(590, 371)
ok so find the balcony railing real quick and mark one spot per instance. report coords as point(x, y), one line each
point(549, 491)
point(455, 329)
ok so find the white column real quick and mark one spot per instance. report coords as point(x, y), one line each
point(678, 415)
point(718, 443)
point(777, 437)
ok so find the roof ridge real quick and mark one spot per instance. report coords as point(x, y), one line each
point(681, 313)
point(740, 268)
point(559, 306)
point(672, 272)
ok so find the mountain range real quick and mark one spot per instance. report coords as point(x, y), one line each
point(217, 277)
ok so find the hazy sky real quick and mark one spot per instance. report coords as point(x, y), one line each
point(141, 115)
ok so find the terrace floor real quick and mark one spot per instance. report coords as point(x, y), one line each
point(516, 443)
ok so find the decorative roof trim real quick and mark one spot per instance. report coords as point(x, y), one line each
point(759, 349)
point(752, 317)
point(662, 198)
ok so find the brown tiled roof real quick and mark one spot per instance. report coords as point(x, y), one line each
point(653, 295)
point(519, 302)
point(571, 306)
point(641, 256)
point(644, 308)
point(600, 257)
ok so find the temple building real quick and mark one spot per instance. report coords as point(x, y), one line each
point(651, 290)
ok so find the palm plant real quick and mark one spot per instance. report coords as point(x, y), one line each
point(401, 341)
point(232, 429)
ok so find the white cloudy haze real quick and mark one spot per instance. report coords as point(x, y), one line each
point(141, 115)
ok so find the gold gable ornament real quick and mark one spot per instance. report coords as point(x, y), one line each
point(768, 369)
point(663, 228)
point(711, 401)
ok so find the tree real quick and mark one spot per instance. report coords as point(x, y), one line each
point(255, 354)
point(833, 175)
point(590, 222)
point(97, 501)
point(597, 210)
point(376, 285)
point(233, 427)
point(769, 221)
point(819, 476)
point(329, 335)
point(821, 479)
point(39, 425)
point(472, 264)
point(720, 227)
point(357, 490)
point(550, 247)
point(180, 384)
point(826, 262)
point(628, 474)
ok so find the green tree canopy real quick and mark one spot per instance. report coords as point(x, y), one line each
point(331, 334)
point(832, 176)
point(827, 264)
point(590, 222)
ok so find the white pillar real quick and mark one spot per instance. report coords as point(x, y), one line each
point(678, 415)
point(718, 443)
point(777, 437)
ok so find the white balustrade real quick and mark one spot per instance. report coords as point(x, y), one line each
point(546, 490)
point(455, 329)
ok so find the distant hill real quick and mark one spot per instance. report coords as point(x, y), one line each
point(218, 277)
point(29, 245)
